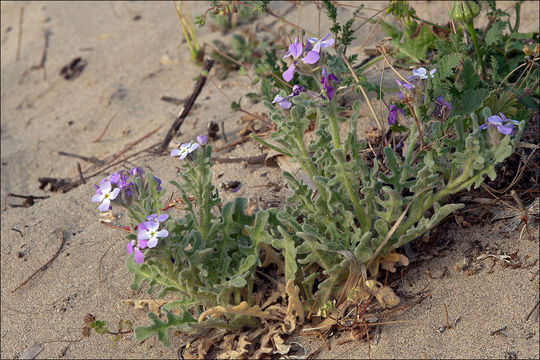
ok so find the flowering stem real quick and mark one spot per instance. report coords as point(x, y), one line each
point(333, 125)
point(420, 133)
point(470, 28)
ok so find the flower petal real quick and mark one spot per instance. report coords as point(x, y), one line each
point(506, 129)
point(289, 73)
point(143, 235)
point(105, 187)
point(139, 256)
point(152, 242)
point(285, 104)
point(175, 152)
point(105, 205)
point(162, 217)
point(114, 194)
point(162, 233)
point(97, 198)
point(295, 49)
point(129, 247)
point(311, 58)
point(142, 243)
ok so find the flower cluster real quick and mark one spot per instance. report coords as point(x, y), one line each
point(504, 126)
point(312, 50)
point(189, 147)
point(309, 55)
point(147, 236)
point(119, 187)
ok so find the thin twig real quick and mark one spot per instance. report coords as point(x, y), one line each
point(80, 173)
point(62, 241)
point(259, 159)
point(104, 130)
point(127, 148)
point(379, 123)
point(92, 159)
point(531, 312)
point(189, 104)
point(446, 313)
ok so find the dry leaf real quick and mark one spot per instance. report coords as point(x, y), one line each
point(392, 259)
point(241, 351)
point(240, 309)
point(294, 301)
point(203, 348)
point(279, 344)
point(271, 256)
point(148, 304)
point(386, 297)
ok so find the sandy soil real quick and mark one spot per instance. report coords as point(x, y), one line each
point(135, 55)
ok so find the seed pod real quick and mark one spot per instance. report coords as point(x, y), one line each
point(464, 10)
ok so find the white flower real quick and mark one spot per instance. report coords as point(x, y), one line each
point(105, 195)
point(184, 150)
point(423, 73)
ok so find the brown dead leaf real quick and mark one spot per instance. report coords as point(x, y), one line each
point(392, 259)
point(148, 304)
point(271, 256)
point(240, 309)
point(386, 297)
point(203, 348)
point(295, 305)
point(241, 351)
point(279, 345)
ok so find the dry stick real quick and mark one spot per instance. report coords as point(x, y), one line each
point(531, 312)
point(62, 239)
point(180, 119)
point(127, 148)
point(446, 313)
point(92, 159)
point(80, 173)
point(19, 38)
point(363, 92)
point(106, 127)
point(41, 64)
point(233, 144)
point(259, 159)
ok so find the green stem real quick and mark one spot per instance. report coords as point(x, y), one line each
point(470, 28)
point(275, 148)
point(353, 195)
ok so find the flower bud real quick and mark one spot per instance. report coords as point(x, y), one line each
point(526, 50)
point(464, 10)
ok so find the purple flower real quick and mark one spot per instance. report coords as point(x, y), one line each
point(184, 150)
point(404, 85)
point(283, 102)
point(136, 171)
point(393, 113)
point(423, 73)
point(105, 195)
point(440, 106)
point(148, 231)
point(504, 126)
point(158, 187)
point(132, 246)
point(295, 50)
point(313, 56)
point(325, 80)
point(202, 140)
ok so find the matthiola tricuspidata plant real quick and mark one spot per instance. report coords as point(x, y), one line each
point(203, 260)
point(350, 213)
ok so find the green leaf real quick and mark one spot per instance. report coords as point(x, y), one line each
point(161, 328)
point(494, 34)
